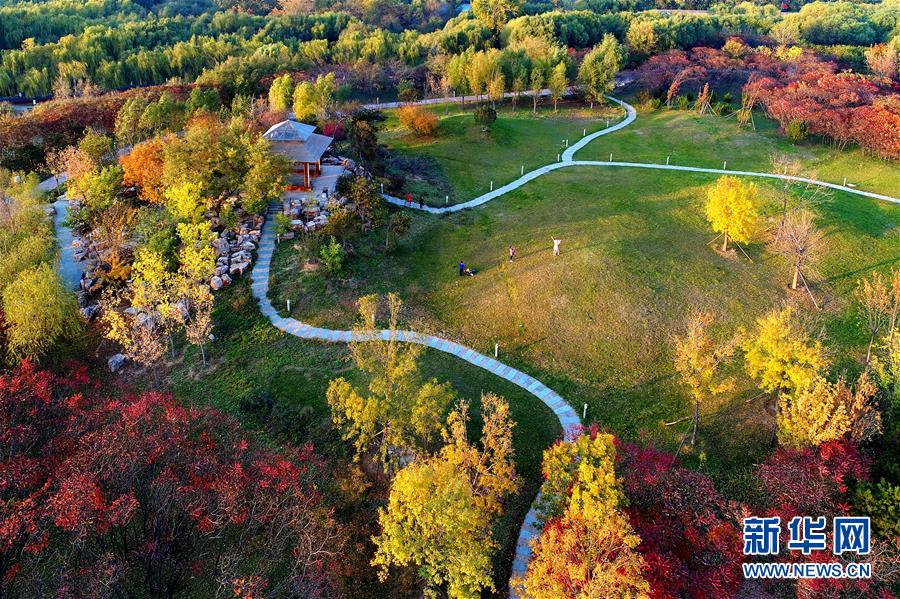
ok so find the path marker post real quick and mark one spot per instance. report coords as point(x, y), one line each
point(610, 156)
point(289, 306)
point(558, 158)
point(607, 123)
point(584, 413)
point(492, 186)
point(725, 166)
point(584, 133)
point(496, 350)
point(446, 200)
point(523, 169)
point(382, 189)
point(845, 181)
point(667, 160)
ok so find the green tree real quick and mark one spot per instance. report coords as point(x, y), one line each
point(281, 93)
point(398, 415)
point(185, 202)
point(266, 177)
point(495, 13)
point(598, 70)
point(641, 38)
point(558, 84)
point(38, 311)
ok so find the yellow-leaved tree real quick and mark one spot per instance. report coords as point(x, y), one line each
point(587, 547)
point(398, 416)
point(185, 202)
point(731, 210)
point(827, 411)
point(698, 359)
point(781, 355)
point(441, 509)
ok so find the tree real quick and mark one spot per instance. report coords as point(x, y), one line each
point(780, 355)
point(519, 85)
point(138, 495)
point(482, 68)
point(587, 547)
point(882, 60)
point(143, 168)
point(801, 240)
point(313, 99)
point(485, 116)
point(266, 175)
point(398, 416)
point(689, 532)
point(698, 359)
point(496, 88)
point(97, 146)
point(641, 38)
point(440, 510)
point(332, 255)
point(185, 202)
point(828, 411)
point(281, 93)
point(598, 70)
point(398, 225)
point(495, 13)
point(878, 306)
point(420, 121)
point(731, 211)
point(196, 258)
point(38, 311)
point(198, 326)
point(368, 202)
point(558, 84)
point(537, 85)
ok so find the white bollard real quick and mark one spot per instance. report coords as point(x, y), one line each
point(567, 143)
point(610, 156)
point(584, 133)
point(289, 306)
point(725, 166)
point(607, 123)
point(382, 189)
point(584, 414)
point(523, 169)
point(845, 181)
point(446, 200)
point(496, 350)
point(667, 160)
point(492, 186)
point(558, 157)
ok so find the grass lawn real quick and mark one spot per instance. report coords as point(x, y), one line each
point(461, 161)
point(252, 361)
point(596, 324)
point(707, 141)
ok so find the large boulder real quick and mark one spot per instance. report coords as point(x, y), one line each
point(116, 362)
point(216, 282)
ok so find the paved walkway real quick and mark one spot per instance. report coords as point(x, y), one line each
point(69, 269)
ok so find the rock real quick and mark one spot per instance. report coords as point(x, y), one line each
point(216, 283)
point(238, 268)
point(226, 279)
point(241, 256)
point(90, 311)
point(221, 246)
point(116, 362)
point(287, 236)
point(221, 270)
point(248, 246)
point(49, 211)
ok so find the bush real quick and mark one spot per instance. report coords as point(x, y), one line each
point(485, 116)
point(418, 120)
point(654, 104)
point(720, 108)
point(682, 103)
point(282, 224)
point(797, 131)
point(881, 503)
point(332, 254)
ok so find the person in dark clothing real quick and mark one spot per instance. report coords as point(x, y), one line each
point(512, 253)
point(462, 268)
point(421, 203)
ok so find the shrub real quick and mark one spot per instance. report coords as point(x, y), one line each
point(485, 116)
point(797, 131)
point(720, 108)
point(683, 103)
point(881, 503)
point(332, 254)
point(418, 120)
point(654, 104)
point(282, 224)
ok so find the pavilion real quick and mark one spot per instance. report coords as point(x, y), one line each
point(299, 143)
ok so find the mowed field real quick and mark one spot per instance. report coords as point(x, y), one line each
point(597, 323)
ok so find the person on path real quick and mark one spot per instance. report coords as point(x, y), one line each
point(421, 203)
point(512, 253)
point(556, 243)
point(409, 200)
point(462, 268)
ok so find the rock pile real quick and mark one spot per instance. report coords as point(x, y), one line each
point(234, 250)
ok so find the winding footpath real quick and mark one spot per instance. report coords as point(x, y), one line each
point(568, 418)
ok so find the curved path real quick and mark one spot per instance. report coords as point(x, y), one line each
point(568, 160)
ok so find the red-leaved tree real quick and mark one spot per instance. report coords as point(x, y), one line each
point(138, 495)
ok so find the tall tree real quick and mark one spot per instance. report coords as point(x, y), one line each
point(266, 176)
point(440, 510)
point(495, 13)
point(398, 415)
point(731, 211)
point(698, 359)
point(877, 301)
point(801, 240)
point(558, 84)
point(281, 93)
point(537, 85)
point(143, 168)
point(587, 548)
point(598, 70)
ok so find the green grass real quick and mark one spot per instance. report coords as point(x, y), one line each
point(251, 359)
point(469, 159)
point(707, 141)
point(596, 324)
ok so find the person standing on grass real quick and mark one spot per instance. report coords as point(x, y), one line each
point(556, 243)
point(512, 253)
point(462, 268)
